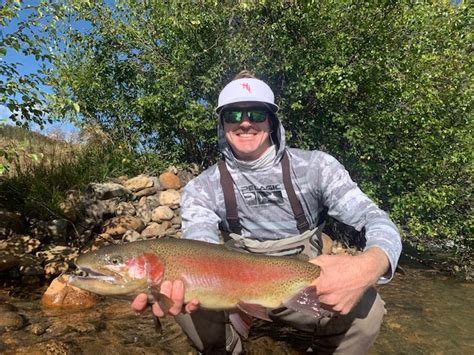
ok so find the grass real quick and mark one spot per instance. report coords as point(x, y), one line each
point(42, 170)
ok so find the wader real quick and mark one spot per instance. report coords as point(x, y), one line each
point(211, 331)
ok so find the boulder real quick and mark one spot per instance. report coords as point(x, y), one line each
point(8, 261)
point(62, 295)
point(131, 236)
point(119, 225)
point(162, 213)
point(125, 209)
point(169, 180)
point(138, 183)
point(147, 192)
point(55, 268)
point(30, 266)
point(170, 198)
point(57, 229)
point(106, 191)
point(57, 253)
point(10, 319)
point(19, 245)
point(10, 222)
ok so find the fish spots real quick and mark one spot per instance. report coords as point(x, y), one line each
point(147, 266)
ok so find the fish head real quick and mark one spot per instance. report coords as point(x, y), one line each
point(118, 271)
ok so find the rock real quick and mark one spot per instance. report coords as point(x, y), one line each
point(31, 280)
point(8, 261)
point(152, 202)
point(121, 179)
point(138, 183)
point(100, 208)
point(162, 213)
point(102, 240)
point(170, 232)
point(10, 222)
point(169, 180)
point(68, 209)
point(38, 229)
point(50, 347)
point(119, 225)
point(57, 253)
point(125, 209)
point(156, 183)
point(106, 191)
point(131, 236)
point(38, 329)
point(62, 295)
point(176, 221)
point(169, 198)
point(147, 191)
point(152, 230)
point(55, 268)
point(30, 266)
point(10, 319)
point(185, 177)
point(178, 234)
point(57, 229)
point(20, 244)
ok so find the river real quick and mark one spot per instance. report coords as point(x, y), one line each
point(428, 313)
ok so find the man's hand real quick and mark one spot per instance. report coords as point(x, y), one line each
point(173, 290)
point(344, 279)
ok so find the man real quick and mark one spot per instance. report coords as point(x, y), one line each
point(267, 198)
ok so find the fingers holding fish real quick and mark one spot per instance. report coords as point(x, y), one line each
point(140, 303)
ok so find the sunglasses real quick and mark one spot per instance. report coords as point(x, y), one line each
point(235, 115)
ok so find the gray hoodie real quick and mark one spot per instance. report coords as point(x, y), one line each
point(264, 210)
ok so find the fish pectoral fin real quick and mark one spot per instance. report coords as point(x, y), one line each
point(306, 302)
point(163, 301)
point(254, 310)
point(241, 322)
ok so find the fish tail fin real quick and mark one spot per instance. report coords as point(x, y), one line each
point(306, 302)
point(241, 322)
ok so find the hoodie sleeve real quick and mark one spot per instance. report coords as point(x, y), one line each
point(348, 204)
point(199, 219)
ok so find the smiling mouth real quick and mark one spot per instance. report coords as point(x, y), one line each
point(244, 134)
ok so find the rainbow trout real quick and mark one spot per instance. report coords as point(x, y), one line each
point(220, 278)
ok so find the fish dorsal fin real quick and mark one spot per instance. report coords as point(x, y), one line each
point(241, 322)
point(306, 302)
point(254, 310)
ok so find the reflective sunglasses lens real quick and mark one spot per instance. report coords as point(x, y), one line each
point(232, 116)
point(257, 116)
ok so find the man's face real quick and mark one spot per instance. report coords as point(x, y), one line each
point(248, 140)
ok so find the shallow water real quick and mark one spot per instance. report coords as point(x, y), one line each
point(428, 313)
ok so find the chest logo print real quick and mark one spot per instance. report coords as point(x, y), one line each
point(263, 195)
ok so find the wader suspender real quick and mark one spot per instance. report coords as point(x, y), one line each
point(231, 204)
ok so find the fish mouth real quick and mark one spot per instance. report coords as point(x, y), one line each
point(106, 275)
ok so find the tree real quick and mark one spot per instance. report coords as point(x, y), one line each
point(386, 87)
point(21, 92)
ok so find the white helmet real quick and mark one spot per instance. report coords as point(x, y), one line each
point(247, 89)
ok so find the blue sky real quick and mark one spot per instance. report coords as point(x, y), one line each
point(27, 65)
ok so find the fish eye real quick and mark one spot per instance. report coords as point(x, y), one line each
point(115, 260)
